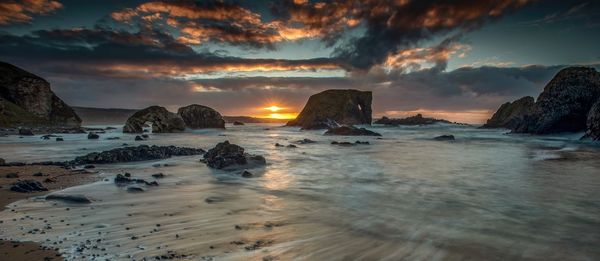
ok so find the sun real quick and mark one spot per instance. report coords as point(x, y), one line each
point(273, 108)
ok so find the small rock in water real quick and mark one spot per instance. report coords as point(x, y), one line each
point(93, 136)
point(238, 123)
point(292, 146)
point(138, 138)
point(362, 142)
point(113, 138)
point(12, 175)
point(211, 200)
point(278, 145)
point(305, 141)
point(341, 143)
point(158, 175)
point(50, 180)
point(135, 189)
point(145, 136)
point(60, 139)
point(444, 137)
point(247, 174)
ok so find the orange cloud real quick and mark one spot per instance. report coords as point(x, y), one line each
point(22, 11)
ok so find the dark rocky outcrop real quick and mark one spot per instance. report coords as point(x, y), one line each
point(351, 131)
point(198, 117)
point(334, 107)
point(238, 123)
point(565, 103)
point(413, 120)
point(26, 99)
point(162, 121)
point(230, 156)
point(139, 153)
point(593, 122)
point(25, 132)
point(93, 136)
point(510, 114)
point(126, 179)
point(27, 186)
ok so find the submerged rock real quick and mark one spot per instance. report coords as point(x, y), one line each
point(139, 153)
point(565, 103)
point(413, 120)
point(138, 138)
point(125, 179)
point(509, 115)
point(27, 186)
point(69, 198)
point(333, 107)
point(351, 131)
point(198, 117)
point(60, 139)
point(162, 121)
point(93, 136)
point(305, 141)
point(228, 156)
point(444, 137)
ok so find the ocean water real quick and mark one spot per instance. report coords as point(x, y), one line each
point(485, 196)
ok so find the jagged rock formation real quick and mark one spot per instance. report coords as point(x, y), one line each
point(229, 156)
point(26, 99)
point(162, 121)
point(334, 107)
point(593, 122)
point(413, 120)
point(198, 117)
point(510, 114)
point(351, 131)
point(564, 104)
point(139, 153)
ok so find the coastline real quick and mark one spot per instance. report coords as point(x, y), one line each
point(16, 250)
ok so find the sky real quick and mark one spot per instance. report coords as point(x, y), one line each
point(458, 60)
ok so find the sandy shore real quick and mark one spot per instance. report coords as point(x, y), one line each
point(62, 178)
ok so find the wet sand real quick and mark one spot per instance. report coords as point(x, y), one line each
point(13, 250)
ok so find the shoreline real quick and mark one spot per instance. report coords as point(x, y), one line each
point(63, 178)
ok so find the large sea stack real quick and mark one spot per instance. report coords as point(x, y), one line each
point(569, 103)
point(510, 114)
point(332, 108)
point(27, 100)
point(198, 117)
point(162, 121)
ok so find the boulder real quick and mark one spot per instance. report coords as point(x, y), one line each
point(139, 153)
point(27, 186)
point(564, 104)
point(25, 132)
point(26, 99)
point(231, 156)
point(93, 136)
point(334, 107)
point(60, 139)
point(162, 121)
point(444, 138)
point(511, 114)
point(199, 117)
point(351, 131)
point(413, 120)
point(593, 122)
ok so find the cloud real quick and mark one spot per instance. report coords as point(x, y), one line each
point(148, 53)
point(22, 11)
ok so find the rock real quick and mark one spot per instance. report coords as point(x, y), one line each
point(110, 128)
point(48, 136)
point(26, 99)
point(444, 137)
point(135, 189)
point(38, 174)
point(305, 141)
point(2, 161)
point(565, 103)
point(292, 146)
point(145, 136)
point(413, 120)
point(50, 180)
point(89, 166)
point(593, 122)
point(139, 153)
point(510, 114)
point(60, 139)
point(25, 132)
point(199, 117)
point(211, 200)
point(138, 138)
point(351, 131)
point(230, 156)
point(342, 143)
point(93, 136)
point(247, 174)
point(12, 175)
point(362, 142)
point(162, 121)
point(278, 145)
point(158, 175)
point(81, 199)
point(27, 186)
point(238, 123)
point(333, 107)
point(126, 179)
point(113, 138)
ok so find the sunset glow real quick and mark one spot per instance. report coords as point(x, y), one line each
point(282, 115)
point(274, 108)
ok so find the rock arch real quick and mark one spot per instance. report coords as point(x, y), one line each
point(162, 121)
